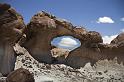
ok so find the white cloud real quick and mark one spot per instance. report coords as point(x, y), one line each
point(108, 39)
point(105, 20)
point(122, 30)
point(122, 19)
point(67, 42)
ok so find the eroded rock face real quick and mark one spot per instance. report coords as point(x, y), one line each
point(59, 55)
point(43, 27)
point(119, 39)
point(95, 52)
point(11, 29)
point(103, 71)
point(20, 75)
point(41, 30)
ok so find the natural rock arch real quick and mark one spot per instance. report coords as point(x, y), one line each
point(66, 42)
point(43, 27)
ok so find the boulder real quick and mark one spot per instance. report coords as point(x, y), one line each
point(11, 30)
point(44, 27)
point(59, 55)
point(59, 52)
point(20, 75)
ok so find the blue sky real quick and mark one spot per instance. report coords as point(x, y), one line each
point(80, 12)
point(66, 42)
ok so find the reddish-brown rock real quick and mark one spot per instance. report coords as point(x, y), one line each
point(41, 30)
point(43, 27)
point(20, 75)
point(11, 29)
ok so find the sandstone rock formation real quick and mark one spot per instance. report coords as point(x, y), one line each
point(95, 52)
point(20, 75)
point(43, 27)
point(11, 29)
point(39, 33)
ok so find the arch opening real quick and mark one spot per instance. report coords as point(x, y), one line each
point(66, 42)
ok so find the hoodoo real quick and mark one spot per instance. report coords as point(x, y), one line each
point(11, 29)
